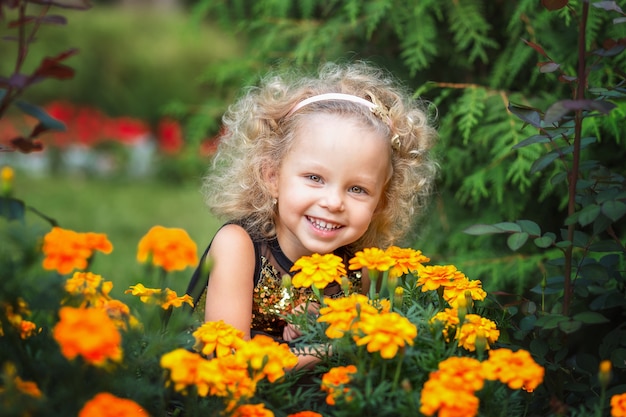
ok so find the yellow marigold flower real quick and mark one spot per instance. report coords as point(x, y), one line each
point(305, 414)
point(7, 174)
point(252, 410)
point(108, 405)
point(431, 277)
point(476, 325)
point(170, 248)
point(405, 260)
point(218, 337)
point(183, 366)
point(91, 287)
point(28, 387)
point(171, 299)
point(459, 287)
point(618, 405)
point(146, 295)
point(334, 381)
point(318, 270)
point(450, 320)
point(88, 332)
point(66, 250)
point(374, 259)
point(226, 376)
point(267, 358)
point(341, 313)
point(385, 333)
point(516, 369)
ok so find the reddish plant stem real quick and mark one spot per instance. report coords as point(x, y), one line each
point(568, 289)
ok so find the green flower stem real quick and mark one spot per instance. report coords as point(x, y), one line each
point(383, 287)
point(396, 376)
point(318, 294)
point(373, 280)
point(600, 404)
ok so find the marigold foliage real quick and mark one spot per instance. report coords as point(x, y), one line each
point(88, 332)
point(169, 248)
point(108, 405)
point(318, 270)
point(66, 250)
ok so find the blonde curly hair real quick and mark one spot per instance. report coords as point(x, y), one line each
point(259, 131)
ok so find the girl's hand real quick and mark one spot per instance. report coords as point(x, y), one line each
point(291, 331)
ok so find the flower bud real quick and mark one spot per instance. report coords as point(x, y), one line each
point(604, 373)
point(6, 176)
point(286, 281)
point(398, 296)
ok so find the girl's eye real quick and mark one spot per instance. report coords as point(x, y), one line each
point(315, 178)
point(357, 190)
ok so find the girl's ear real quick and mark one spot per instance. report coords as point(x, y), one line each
point(270, 175)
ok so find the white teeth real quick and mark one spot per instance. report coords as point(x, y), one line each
point(321, 224)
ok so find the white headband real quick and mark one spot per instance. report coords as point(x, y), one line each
point(332, 96)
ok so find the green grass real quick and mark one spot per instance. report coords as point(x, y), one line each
point(124, 210)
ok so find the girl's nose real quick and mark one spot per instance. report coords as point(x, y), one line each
point(332, 201)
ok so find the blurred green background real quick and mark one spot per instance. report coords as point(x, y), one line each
point(187, 60)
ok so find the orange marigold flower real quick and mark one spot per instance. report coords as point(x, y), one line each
point(218, 337)
point(171, 299)
point(618, 405)
point(27, 328)
point(91, 287)
point(436, 397)
point(341, 313)
point(305, 414)
point(385, 333)
point(170, 248)
point(108, 405)
point(374, 259)
point(334, 381)
point(252, 410)
point(459, 287)
point(318, 270)
point(28, 387)
point(431, 277)
point(88, 332)
point(405, 260)
point(450, 320)
point(226, 376)
point(516, 369)
point(477, 326)
point(66, 250)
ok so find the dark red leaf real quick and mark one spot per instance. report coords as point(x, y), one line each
point(50, 67)
point(536, 48)
point(554, 4)
point(69, 4)
point(27, 146)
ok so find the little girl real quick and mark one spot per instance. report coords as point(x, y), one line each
point(327, 164)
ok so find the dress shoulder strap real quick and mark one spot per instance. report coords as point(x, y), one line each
point(200, 279)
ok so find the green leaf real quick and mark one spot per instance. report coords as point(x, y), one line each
point(49, 122)
point(588, 214)
point(590, 317)
point(545, 241)
point(614, 209)
point(529, 227)
point(517, 240)
point(482, 229)
point(531, 140)
point(543, 162)
point(11, 208)
point(508, 227)
point(550, 321)
point(570, 326)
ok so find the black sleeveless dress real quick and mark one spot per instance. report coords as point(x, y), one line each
point(271, 301)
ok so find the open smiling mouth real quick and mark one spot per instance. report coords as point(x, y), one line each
point(322, 225)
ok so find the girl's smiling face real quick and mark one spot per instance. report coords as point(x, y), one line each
point(329, 184)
